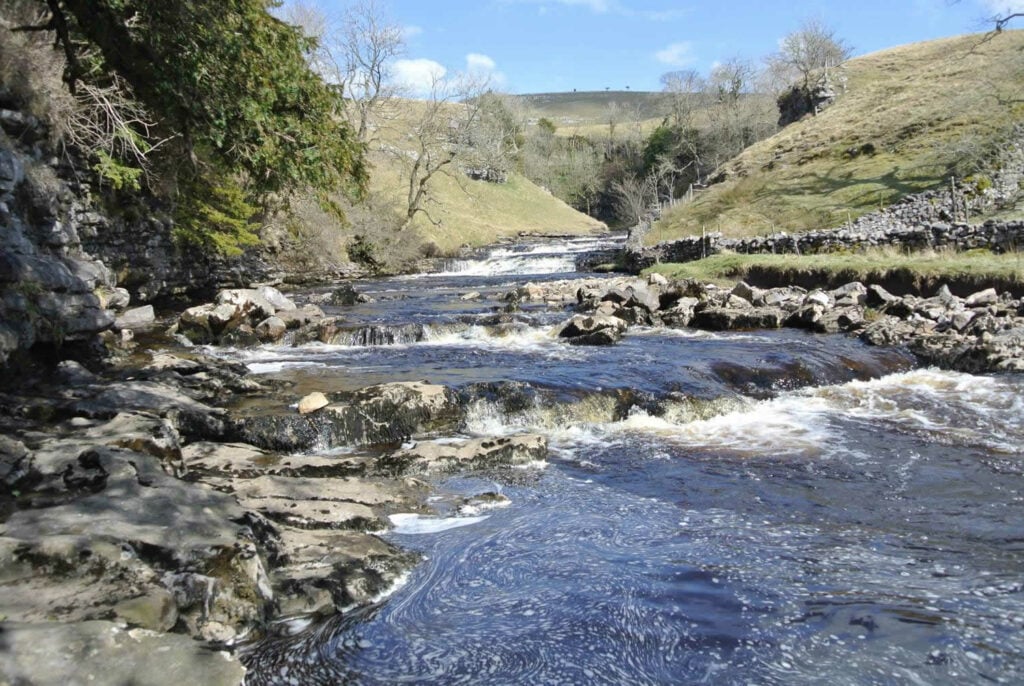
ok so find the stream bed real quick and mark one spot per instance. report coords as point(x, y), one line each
point(738, 508)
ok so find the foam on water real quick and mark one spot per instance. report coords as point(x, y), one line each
point(416, 524)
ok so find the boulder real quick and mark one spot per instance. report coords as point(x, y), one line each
point(250, 303)
point(731, 318)
point(294, 319)
point(136, 318)
point(276, 298)
point(271, 330)
point(989, 296)
point(597, 329)
point(313, 402)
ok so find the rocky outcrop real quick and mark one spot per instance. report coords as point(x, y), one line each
point(51, 291)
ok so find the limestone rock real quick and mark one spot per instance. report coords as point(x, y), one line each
point(136, 318)
point(105, 654)
point(449, 456)
point(313, 402)
point(271, 329)
point(596, 329)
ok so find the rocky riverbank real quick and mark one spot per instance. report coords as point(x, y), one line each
point(166, 503)
point(983, 332)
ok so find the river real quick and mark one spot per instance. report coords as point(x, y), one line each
point(741, 508)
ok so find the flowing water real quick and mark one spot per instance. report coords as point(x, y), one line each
point(746, 508)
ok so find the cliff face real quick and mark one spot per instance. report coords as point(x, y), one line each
point(68, 263)
point(51, 291)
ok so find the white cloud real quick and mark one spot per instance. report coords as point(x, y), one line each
point(483, 67)
point(677, 55)
point(419, 75)
point(411, 31)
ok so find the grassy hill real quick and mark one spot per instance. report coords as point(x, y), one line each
point(586, 113)
point(909, 117)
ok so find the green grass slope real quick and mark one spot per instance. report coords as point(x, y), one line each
point(908, 117)
point(476, 213)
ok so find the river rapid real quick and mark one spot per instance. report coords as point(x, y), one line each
point(737, 508)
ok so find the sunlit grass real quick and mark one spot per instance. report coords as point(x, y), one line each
point(871, 265)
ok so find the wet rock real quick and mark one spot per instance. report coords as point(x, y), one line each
point(386, 413)
point(327, 570)
point(247, 461)
point(313, 402)
point(730, 318)
point(15, 461)
point(597, 329)
point(156, 610)
point(346, 295)
point(101, 652)
point(449, 456)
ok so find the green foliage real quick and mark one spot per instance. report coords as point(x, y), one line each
point(120, 176)
point(214, 214)
point(232, 88)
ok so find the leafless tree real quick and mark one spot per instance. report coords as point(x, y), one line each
point(809, 51)
point(634, 195)
point(356, 52)
point(685, 89)
point(440, 133)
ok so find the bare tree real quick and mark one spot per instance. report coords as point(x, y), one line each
point(356, 53)
point(809, 51)
point(634, 195)
point(441, 132)
point(685, 89)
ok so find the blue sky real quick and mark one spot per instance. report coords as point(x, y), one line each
point(534, 46)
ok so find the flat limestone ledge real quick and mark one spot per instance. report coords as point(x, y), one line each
point(101, 653)
point(476, 453)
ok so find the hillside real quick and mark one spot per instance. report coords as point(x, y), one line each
point(591, 107)
point(909, 118)
point(477, 212)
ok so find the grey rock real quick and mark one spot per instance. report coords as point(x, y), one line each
point(271, 330)
point(597, 329)
point(989, 296)
point(730, 318)
point(136, 318)
point(102, 653)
